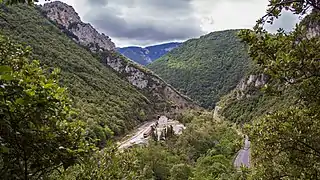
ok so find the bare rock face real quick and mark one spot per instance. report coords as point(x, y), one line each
point(155, 88)
point(65, 16)
point(256, 81)
point(246, 88)
point(311, 24)
point(313, 32)
point(148, 82)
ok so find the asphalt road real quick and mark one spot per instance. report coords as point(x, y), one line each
point(243, 157)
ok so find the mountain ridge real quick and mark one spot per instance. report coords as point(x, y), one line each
point(109, 104)
point(84, 33)
point(145, 81)
point(106, 99)
point(205, 68)
point(146, 55)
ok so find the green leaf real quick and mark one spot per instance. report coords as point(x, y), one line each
point(46, 86)
point(6, 77)
point(20, 101)
point(30, 92)
point(4, 149)
point(5, 68)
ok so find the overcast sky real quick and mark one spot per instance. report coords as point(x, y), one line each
point(146, 22)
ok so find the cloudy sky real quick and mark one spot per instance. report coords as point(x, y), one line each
point(146, 22)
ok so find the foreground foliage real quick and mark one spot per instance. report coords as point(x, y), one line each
point(109, 104)
point(205, 150)
point(288, 147)
point(39, 128)
point(285, 143)
point(105, 165)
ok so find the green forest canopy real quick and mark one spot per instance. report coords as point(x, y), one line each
point(207, 68)
point(40, 130)
point(108, 103)
point(285, 142)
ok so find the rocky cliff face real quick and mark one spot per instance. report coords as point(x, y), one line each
point(148, 82)
point(250, 82)
point(247, 88)
point(65, 16)
point(152, 86)
point(311, 23)
point(313, 32)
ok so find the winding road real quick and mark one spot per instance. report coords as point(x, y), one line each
point(243, 157)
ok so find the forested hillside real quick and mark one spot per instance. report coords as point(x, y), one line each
point(251, 100)
point(206, 68)
point(107, 102)
point(284, 115)
point(43, 137)
point(162, 96)
point(267, 107)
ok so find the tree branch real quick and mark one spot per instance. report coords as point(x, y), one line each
point(314, 4)
point(310, 147)
point(280, 4)
point(309, 2)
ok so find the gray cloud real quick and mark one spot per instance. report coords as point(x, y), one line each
point(98, 2)
point(145, 20)
point(161, 30)
point(167, 5)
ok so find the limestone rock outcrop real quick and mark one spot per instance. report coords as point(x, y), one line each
point(84, 33)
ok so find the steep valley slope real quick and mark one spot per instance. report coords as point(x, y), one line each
point(206, 68)
point(249, 101)
point(162, 96)
point(111, 102)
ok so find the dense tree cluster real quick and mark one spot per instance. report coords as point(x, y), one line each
point(109, 104)
point(207, 68)
point(46, 135)
point(286, 142)
point(39, 129)
point(204, 151)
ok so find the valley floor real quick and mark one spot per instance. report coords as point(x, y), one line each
point(137, 136)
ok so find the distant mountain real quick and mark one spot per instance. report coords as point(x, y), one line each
point(206, 68)
point(148, 54)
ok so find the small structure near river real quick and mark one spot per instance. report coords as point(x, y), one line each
point(165, 128)
point(158, 130)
